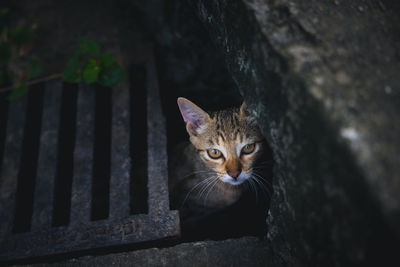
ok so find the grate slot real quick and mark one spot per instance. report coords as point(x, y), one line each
point(65, 150)
point(46, 169)
point(28, 164)
point(120, 158)
point(138, 141)
point(101, 154)
point(83, 157)
point(11, 163)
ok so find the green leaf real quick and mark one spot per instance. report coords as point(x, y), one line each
point(20, 35)
point(18, 92)
point(112, 76)
point(34, 68)
point(72, 72)
point(89, 46)
point(5, 52)
point(107, 60)
point(91, 71)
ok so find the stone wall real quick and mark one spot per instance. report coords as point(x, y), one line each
point(322, 79)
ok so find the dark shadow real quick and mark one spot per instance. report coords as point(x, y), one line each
point(192, 67)
point(28, 163)
point(66, 143)
point(101, 154)
point(138, 140)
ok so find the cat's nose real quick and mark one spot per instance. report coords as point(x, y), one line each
point(234, 173)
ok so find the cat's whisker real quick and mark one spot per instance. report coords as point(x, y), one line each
point(210, 189)
point(258, 179)
point(256, 173)
point(204, 187)
point(260, 176)
point(199, 172)
point(194, 187)
point(263, 188)
point(253, 187)
point(207, 186)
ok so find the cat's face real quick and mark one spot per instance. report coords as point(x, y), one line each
point(228, 141)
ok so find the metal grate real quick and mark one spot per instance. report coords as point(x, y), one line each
point(50, 204)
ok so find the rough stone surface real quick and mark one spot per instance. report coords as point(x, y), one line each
point(248, 251)
point(322, 79)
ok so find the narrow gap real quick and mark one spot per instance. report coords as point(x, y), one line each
point(102, 154)
point(29, 156)
point(66, 142)
point(138, 140)
point(3, 125)
point(198, 72)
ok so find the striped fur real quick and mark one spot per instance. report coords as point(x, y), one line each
point(200, 179)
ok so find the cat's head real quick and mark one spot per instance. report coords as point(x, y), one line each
point(228, 141)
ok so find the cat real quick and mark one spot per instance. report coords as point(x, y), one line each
point(220, 165)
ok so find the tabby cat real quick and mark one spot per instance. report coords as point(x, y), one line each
point(222, 162)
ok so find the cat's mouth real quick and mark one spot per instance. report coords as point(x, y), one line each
point(234, 181)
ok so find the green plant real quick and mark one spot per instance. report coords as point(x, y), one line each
point(89, 65)
point(16, 67)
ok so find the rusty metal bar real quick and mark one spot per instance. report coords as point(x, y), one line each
point(120, 158)
point(81, 233)
point(157, 144)
point(83, 157)
point(136, 229)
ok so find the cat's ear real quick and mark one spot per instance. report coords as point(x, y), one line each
point(244, 112)
point(194, 117)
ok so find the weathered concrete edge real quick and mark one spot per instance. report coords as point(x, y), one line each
point(246, 251)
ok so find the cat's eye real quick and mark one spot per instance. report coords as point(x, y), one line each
point(214, 153)
point(249, 148)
